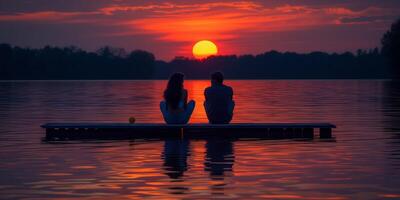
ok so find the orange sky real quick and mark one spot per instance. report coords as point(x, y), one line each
point(170, 29)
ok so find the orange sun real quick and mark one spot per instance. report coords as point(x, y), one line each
point(204, 48)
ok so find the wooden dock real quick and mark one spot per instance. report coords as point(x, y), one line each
point(74, 131)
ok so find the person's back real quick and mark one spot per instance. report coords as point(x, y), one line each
point(219, 102)
point(175, 108)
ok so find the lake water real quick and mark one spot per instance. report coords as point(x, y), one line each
point(361, 162)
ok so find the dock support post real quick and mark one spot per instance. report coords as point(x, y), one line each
point(276, 133)
point(289, 133)
point(181, 133)
point(308, 133)
point(49, 133)
point(325, 133)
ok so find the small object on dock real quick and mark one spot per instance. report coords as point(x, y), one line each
point(73, 131)
point(132, 120)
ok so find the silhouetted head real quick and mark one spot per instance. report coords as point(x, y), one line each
point(173, 92)
point(217, 78)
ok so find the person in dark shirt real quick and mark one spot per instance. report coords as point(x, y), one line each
point(219, 102)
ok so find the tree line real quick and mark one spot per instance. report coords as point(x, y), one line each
point(114, 63)
point(74, 63)
point(288, 65)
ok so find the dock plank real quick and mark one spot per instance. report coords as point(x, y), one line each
point(61, 131)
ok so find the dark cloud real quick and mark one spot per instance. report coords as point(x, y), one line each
point(367, 19)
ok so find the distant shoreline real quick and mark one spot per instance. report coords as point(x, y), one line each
point(122, 80)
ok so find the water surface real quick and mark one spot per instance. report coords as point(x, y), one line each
point(362, 162)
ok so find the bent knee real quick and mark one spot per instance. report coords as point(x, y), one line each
point(163, 106)
point(191, 103)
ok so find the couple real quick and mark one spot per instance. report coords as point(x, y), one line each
point(218, 103)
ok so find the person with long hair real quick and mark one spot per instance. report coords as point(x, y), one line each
point(175, 108)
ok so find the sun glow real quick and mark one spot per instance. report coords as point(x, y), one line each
point(204, 48)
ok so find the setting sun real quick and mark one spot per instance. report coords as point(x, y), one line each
point(204, 48)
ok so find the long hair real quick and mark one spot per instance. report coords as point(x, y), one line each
point(173, 92)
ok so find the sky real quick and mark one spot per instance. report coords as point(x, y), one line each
point(171, 28)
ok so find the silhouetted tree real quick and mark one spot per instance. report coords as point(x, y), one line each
point(391, 47)
point(142, 63)
point(111, 52)
point(5, 58)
